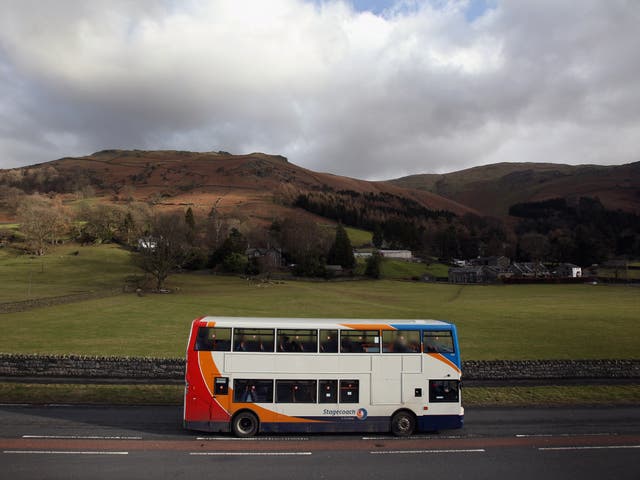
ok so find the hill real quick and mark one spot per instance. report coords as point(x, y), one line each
point(582, 214)
point(493, 189)
point(256, 186)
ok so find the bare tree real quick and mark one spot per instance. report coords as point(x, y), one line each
point(42, 221)
point(166, 248)
point(217, 227)
point(302, 238)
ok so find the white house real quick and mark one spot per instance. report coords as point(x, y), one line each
point(400, 254)
point(569, 270)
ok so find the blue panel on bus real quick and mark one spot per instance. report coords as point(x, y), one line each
point(404, 326)
point(434, 423)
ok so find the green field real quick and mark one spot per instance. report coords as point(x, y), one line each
point(495, 322)
point(67, 270)
point(359, 238)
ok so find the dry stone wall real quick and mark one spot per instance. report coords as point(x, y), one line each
point(159, 369)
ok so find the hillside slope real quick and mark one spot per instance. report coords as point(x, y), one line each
point(255, 186)
point(492, 189)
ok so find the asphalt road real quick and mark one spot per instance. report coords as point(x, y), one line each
point(149, 442)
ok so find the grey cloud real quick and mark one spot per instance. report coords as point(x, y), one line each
point(418, 90)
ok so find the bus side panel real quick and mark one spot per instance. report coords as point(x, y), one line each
point(336, 425)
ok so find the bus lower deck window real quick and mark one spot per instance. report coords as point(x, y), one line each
point(328, 391)
point(295, 391)
point(441, 391)
point(253, 390)
point(349, 391)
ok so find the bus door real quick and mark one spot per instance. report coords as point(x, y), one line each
point(221, 397)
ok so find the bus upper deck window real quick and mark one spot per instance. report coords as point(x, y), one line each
point(253, 340)
point(359, 341)
point(213, 339)
point(400, 341)
point(297, 340)
point(329, 341)
point(438, 341)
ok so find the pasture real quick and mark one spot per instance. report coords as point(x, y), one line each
point(494, 322)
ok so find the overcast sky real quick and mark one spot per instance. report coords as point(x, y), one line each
point(371, 89)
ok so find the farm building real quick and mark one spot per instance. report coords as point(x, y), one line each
point(269, 257)
point(500, 262)
point(475, 274)
point(568, 270)
point(400, 254)
point(529, 270)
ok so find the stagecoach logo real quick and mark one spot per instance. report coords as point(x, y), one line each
point(360, 414)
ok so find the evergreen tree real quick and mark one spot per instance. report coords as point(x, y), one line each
point(373, 265)
point(190, 221)
point(341, 252)
point(378, 237)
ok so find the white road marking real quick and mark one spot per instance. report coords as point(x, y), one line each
point(402, 452)
point(255, 454)
point(418, 437)
point(595, 447)
point(77, 437)
point(249, 439)
point(60, 452)
point(524, 435)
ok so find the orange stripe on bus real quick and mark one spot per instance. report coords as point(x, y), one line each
point(364, 326)
point(443, 359)
point(269, 416)
point(208, 369)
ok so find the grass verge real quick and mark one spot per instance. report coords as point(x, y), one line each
point(41, 393)
point(172, 395)
point(552, 395)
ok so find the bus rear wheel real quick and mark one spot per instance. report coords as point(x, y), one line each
point(244, 424)
point(403, 424)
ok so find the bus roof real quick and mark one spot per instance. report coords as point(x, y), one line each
point(353, 323)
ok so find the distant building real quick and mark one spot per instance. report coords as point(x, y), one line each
point(568, 270)
point(501, 262)
point(529, 270)
point(474, 274)
point(147, 243)
point(399, 254)
point(268, 257)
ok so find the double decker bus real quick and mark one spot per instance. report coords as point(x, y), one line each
point(251, 375)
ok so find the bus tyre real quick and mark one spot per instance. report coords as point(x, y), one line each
point(403, 424)
point(244, 424)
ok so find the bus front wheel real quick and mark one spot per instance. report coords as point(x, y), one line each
point(244, 424)
point(403, 424)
